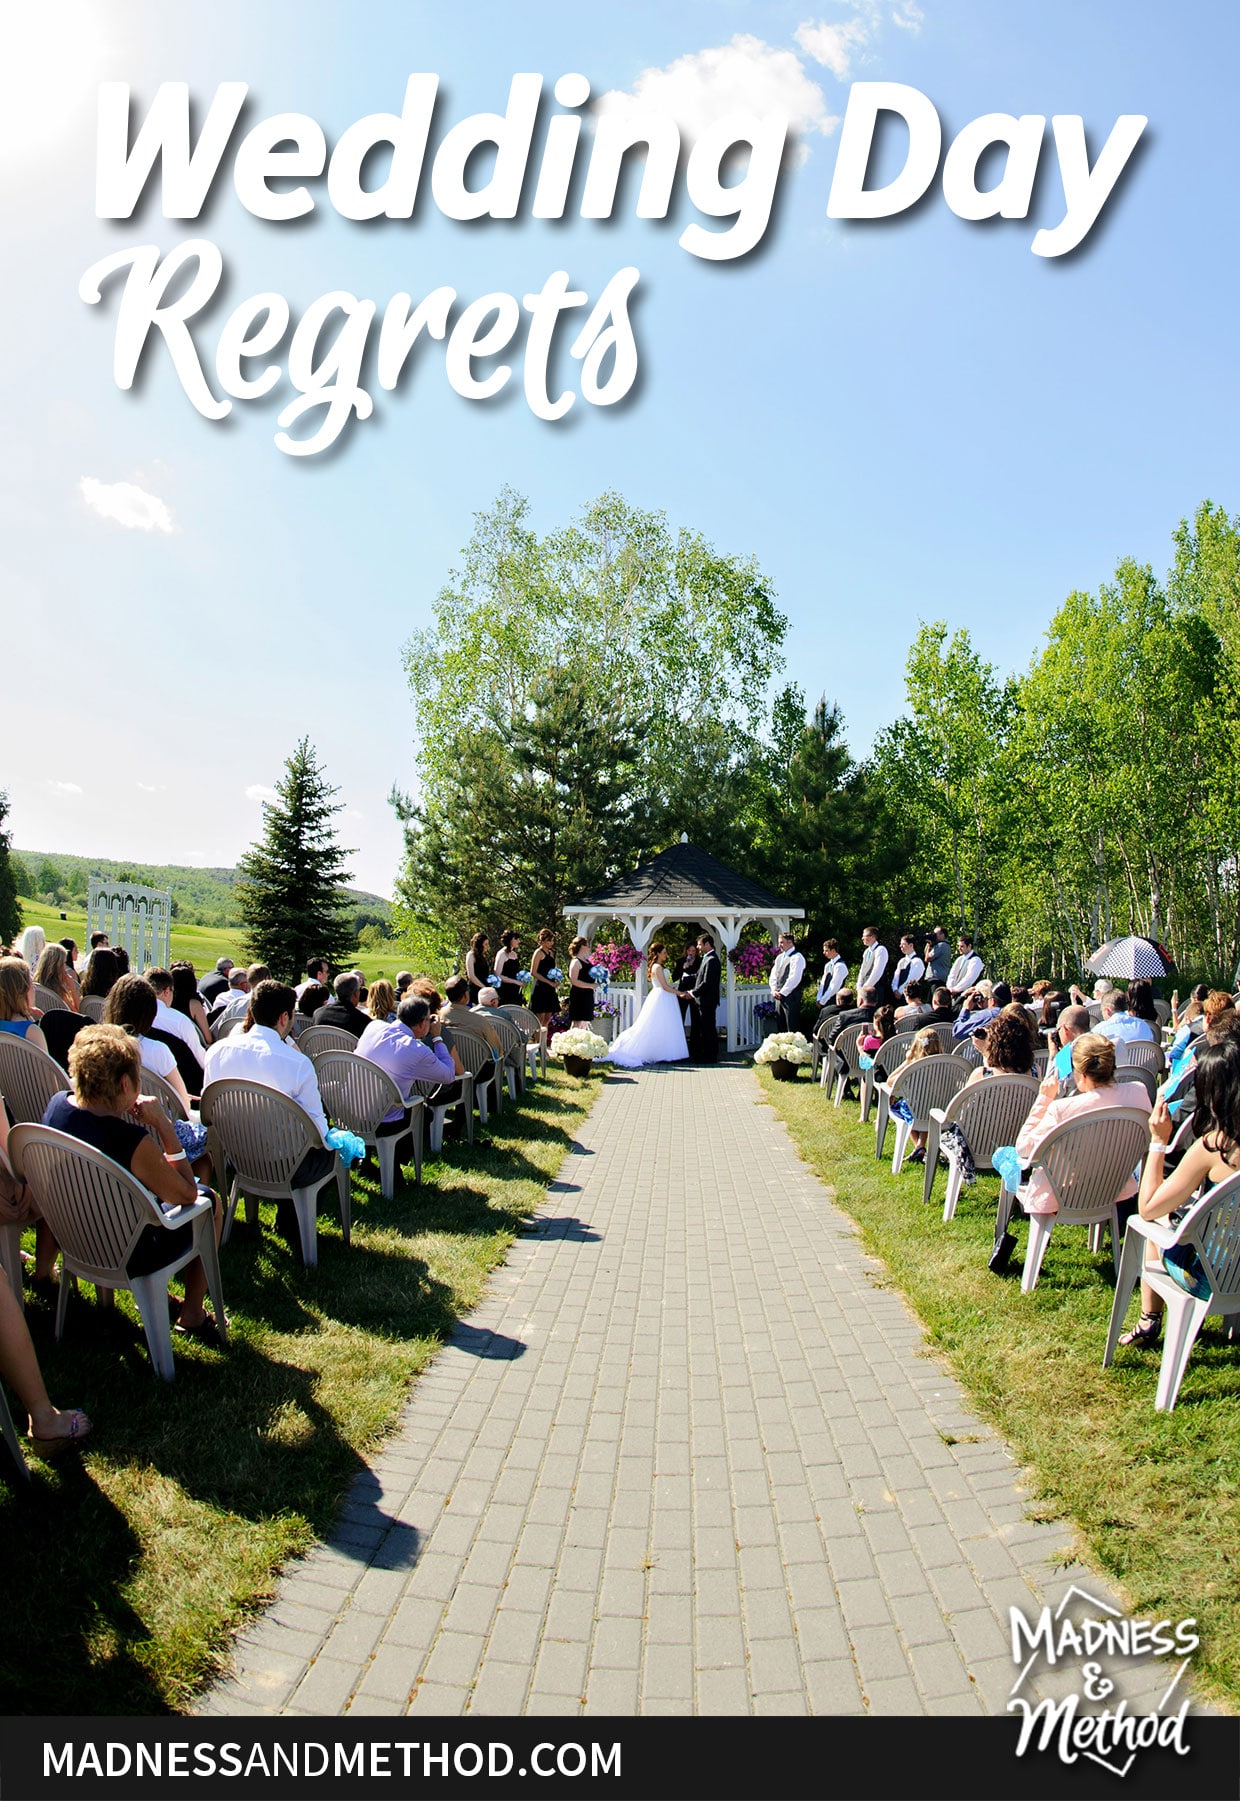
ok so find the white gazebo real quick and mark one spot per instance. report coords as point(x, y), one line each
point(687, 885)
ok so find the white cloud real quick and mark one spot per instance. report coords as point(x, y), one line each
point(833, 45)
point(908, 16)
point(69, 788)
point(747, 74)
point(153, 787)
point(127, 505)
point(259, 791)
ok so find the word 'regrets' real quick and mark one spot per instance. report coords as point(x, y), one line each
point(487, 167)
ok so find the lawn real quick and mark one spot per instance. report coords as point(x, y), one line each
point(1155, 1497)
point(131, 1566)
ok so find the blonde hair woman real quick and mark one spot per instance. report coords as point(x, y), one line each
point(381, 1001)
point(53, 972)
point(1093, 1066)
point(17, 1009)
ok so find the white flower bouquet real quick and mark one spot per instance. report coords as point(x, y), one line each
point(784, 1047)
point(579, 1041)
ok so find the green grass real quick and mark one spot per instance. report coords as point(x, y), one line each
point(129, 1568)
point(1155, 1497)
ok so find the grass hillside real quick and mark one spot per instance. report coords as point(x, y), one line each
point(204, 897)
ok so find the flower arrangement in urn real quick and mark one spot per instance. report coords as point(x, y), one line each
point(784, 1052)
point(580, 1048)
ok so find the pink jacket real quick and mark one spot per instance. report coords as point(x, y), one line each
point(1045, 1115)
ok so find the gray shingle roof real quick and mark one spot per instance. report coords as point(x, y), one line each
point(682, 879)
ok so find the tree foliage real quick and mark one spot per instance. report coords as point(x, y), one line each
point(10, 905)
point(291, 889)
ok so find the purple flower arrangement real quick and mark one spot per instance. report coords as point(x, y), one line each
point(752, 961)
point(620, 960)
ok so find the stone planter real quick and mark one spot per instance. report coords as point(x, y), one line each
point(605, 1026)
point(578, 1066)
point(768, 1023)
point(783, 1071)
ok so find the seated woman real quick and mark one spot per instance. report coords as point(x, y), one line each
point(103, 974)
point(1007, 1045)
point(187, 1000)
point(1093, 1067)
point(926, 1044)
point(30, 945)
point(1192, 1011)
point(1211, 1159)
point(109, 1112)
point(50, 1428)
point(18, 1015)
point(1141, 1005)
point(915, 1008)
point(313, 996)
point(131, 1006)
point(381, 1001)
point(53, 971)
point(881, 1028)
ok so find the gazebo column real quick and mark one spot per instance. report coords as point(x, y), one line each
point(729, 928)
point(586, 923)
point(640, 928)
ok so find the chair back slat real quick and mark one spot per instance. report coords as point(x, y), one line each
point(847, 1049)
point(523, 1019)
point(930, 1082)
point(93, 1005)
point(165, 1094)
point(966, 1052)
point(472, 1048)
point(263, 1133)
point(356, 1093)
point(48, 1001)
point(1090, 1161)
point(29, 1079)
point(1216, 1234)
point(889, 1056)
point(991, 1113)
point(94, 1208)
point(1144, 1056)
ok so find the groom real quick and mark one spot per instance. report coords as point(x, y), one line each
point(703, 1033)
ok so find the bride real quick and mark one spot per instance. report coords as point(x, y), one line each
point(657, 1035)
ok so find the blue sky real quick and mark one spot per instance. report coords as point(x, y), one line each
point(904, 420)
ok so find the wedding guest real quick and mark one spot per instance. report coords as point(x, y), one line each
point(544, 1001)
point(457, 1011)
point(102, 973)
point(311, 998)
point(477, 965)
point(31, 946)
point(317, 973)
point(403, 978)
point(873, 970)
point(507, 965)
point(52, 971)
point(70, 948)
point(411, 1049)
point(581, 993)
point(49, 1427)
point(834, 976)
point(17, 1008)
point(1007, 1045)
point(122, 958)
point(916, 1008)
point(1119, 1025)
point(187, 1001)
point(1072, 1023)
point(981, 1005)
point(344, 1011)
point(910, 968)
point(882, 1027)
point(215, 984)
point(132, 1006)
point(170, 1023)
point(381, 1001)
point(1141, 1004)
point(926, 1044)
point(941, 1011)
point(241, 983)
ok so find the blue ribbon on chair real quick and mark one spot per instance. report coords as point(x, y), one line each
point(1008, 1165)
point(351, 1148)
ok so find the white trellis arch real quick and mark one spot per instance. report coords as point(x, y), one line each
point(685, 885)
point(137, 919)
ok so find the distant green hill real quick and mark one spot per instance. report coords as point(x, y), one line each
point(199, 896)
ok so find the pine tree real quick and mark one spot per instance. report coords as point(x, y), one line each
point(291, 887)
point(10, 906)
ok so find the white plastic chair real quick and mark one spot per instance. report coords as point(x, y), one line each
point(842, 1062)
point(356, 1095)
point(262, 1136)
point(1163, 1010)
point(97, 1212)
point(988, 1115)
point(93, 1006)
point(535, 1038)
point(1212, 1228)
point(223, 1027)
point(164, 1093)
point(929, 1083)
point(513, 1040)
point(439, 1109)
point(317, 1039)
point(48, 1001)
point(481, 1061)
point(1088, 1162)
point(29, 1079)
point(968, 1053)
point(887, 1059)
point(1145, 1056)
point(9, 1433)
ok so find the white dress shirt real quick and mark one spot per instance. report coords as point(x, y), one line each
point(965, 972)
point(181, 1026)
point(261, 1055)
point(873, 964)
point(908, 969)
point(834, 977)
point(791, 968)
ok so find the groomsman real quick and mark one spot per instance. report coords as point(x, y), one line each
point(787, 981)
point(873, 971)
point(834, 977)
point(910, 968)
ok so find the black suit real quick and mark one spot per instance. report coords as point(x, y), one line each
point(349, 1019)
point(703, 1033)
point(212, 987)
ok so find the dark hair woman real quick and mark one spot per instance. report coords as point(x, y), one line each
point(477, 966)
point(187, 1000)
point(507, 963)
point(1007, 1045)
point(580, 987)
point(103, 973)
point(544, 1001)
point(1141, 1000)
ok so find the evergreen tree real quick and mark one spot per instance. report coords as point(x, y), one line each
point(291, 887)
point(10, 906)
point(23, 881)
point(49, 878)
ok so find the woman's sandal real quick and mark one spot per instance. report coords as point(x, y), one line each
point(1147, 1331)
point(79, 1429)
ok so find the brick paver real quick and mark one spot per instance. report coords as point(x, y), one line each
point(685, 1456)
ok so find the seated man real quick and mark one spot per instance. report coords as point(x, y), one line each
point(458, 1012)
point(1121, 1026)
point(983, 1004)
point(215, 984)
point(170, 1022)
point(1072, 1023)
point(235, 998)
point(941, 1013)
point(262, 1054)
point(344, 1011)
point(861, 1014)
point(410, 1049)
point(316, 971)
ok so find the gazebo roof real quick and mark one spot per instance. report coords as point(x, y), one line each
point(683, 880)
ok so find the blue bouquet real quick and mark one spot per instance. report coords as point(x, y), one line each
point(600, 976)
point(523, 975)
point(554, 975)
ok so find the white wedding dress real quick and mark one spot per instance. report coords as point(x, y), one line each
point(657, 1035)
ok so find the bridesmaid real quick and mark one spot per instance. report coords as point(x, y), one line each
point(544, 1001)
point(580, 987)
point(477, 966)
point(507, 963)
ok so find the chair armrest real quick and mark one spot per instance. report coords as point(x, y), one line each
point(938, 1115)
point(1153, 1229)
point(884, 1088)
point(183, 1214)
